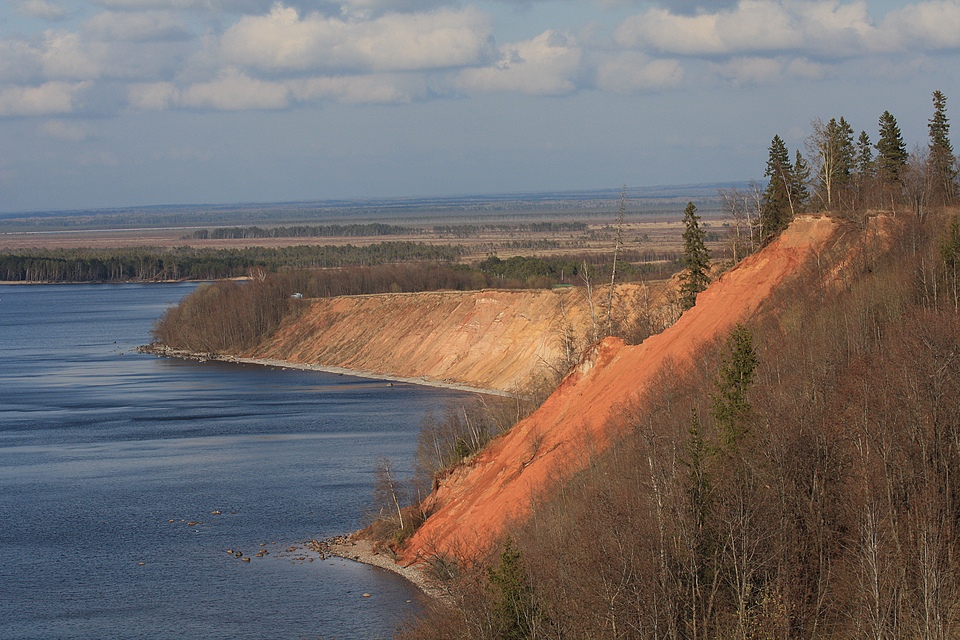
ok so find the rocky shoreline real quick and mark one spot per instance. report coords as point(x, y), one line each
point(348, 547)
point(162, 350)
point(363, 551)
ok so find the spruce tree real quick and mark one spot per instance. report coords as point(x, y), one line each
point(738, 368)
point(778, 198)
point(865, 168)
point(696, 258)
point(801, 178)
point(942, 161)
point(864, 164)
point(891, 151)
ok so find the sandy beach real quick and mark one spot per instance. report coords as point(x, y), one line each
point(167, 352)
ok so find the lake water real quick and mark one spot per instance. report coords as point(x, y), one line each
point(107, 457)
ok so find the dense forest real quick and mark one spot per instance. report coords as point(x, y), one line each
point(304, 231)
point(801, 480)
point(364, 230)
point(186, 263)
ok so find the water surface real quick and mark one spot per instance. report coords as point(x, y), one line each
point(101, 448)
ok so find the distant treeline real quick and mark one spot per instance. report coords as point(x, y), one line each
point(379, 229)
point(229, 317)
point(469, 230)
point(185, 263)
point(314, 231)
point(574, 268)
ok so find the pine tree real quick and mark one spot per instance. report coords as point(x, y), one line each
point(864, 170)
point(696, 258)
point(513, 608)
point(941, 159)
point(778, 205)
point(891, 151)
point(801, 178)
point(737, 371)
point(864, 162)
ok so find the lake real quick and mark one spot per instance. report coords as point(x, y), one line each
point(125, 478)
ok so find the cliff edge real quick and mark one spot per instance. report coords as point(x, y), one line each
point(472, 506)
point(491, 339)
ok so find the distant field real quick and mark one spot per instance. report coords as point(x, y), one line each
point(652, 223)
point(654, 235)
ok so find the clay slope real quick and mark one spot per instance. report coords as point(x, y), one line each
point(473, 504)
point(489, 339)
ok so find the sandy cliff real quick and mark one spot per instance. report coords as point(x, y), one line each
point(473, 504)
point(493, 339)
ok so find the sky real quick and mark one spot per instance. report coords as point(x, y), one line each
point(117, 103)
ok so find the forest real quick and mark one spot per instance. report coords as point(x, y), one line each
point(187, 263)
point(800, 481)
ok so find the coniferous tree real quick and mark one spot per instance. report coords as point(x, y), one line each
point(865, 168)
point(941, 159)
point(801, 178)
point(512, 596)
point(778, 204)
point(737, 371)
point(891, 151)
point(696, 258)
point(864, 164)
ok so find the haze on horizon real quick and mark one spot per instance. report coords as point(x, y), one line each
point(112, 103)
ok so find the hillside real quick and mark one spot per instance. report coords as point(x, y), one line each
point(491, 339)
point(473, 505)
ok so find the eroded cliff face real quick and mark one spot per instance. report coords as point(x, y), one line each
point(492, 339)
point(475, 502)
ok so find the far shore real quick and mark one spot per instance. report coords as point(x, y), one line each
point(165, 351)
point(40, 283)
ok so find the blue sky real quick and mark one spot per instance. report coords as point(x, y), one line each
point(112, 103)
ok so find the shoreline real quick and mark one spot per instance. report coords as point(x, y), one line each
point(348, 547)
point(362, 550)
point(169, 352)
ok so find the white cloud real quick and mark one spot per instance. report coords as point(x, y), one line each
point(803, 68)
point(631, 72)
point(19, 61)
point(231, 91)
point(234, 91)
point(283, 41)
point(372, 89)
point(750, 70)
point(151, 26)
point(51, 98)
point(64, 130)
point(365, 9)
point(545, 65)
point(823, 27)
point(211, 6)
point(153, 96)
point(99, 159)
point(65, 56)
point(42, 9)
point(927, 25)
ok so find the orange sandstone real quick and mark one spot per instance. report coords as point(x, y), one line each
point(472, 506)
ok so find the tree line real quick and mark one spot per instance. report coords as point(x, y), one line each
point(303, 231)
point(471, 230)
point(847, 174)
point(228, 316)
point(187, 263)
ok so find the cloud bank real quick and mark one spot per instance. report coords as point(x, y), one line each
point(203, 55)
